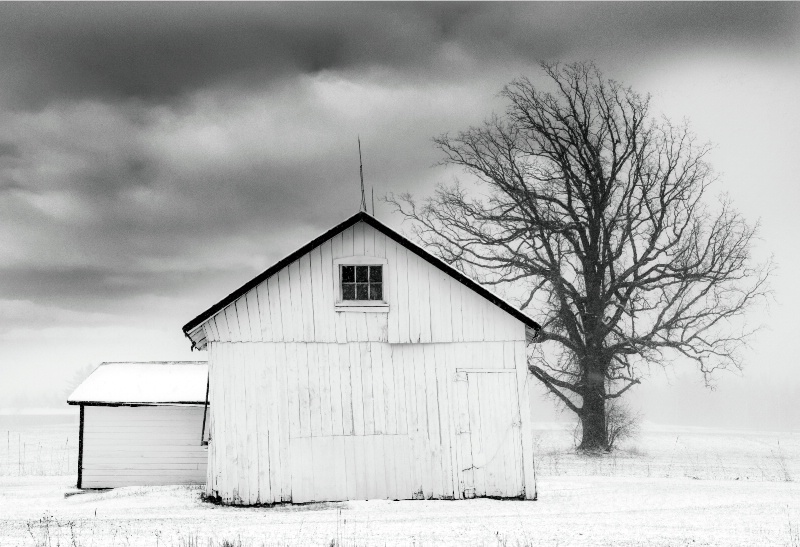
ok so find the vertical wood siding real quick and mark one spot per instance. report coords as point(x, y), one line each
point(301, 422)
point(313, 404)
point(126, 446)
point(426, 305)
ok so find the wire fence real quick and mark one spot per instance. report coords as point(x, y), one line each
point(38, 445)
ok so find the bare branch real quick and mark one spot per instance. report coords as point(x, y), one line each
point(596, 217)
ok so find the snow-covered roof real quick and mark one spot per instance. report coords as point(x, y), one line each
point(151, 383)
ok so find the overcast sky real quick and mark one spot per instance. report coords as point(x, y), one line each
point(154, 157)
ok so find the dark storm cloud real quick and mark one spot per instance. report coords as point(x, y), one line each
point(155, 156)
point(77, 284)
point(566, 31)
point(203, 137)
point(8, 150)
point(162, 51)
point(82, 288)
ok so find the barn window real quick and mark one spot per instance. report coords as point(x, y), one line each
point(360, 283)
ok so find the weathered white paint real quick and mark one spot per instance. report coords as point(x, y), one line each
point(366, 420)
point(142, 445)
point(298, 304)
point(311, 402)
point(492, 444)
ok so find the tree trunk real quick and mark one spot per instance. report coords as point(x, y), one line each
point(593, 415)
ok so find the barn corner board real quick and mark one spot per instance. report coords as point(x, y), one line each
point(362, 367)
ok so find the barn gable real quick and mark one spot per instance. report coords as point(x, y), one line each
point(298, 299)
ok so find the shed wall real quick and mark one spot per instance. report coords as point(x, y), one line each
point(142, 445)
point(365, 420)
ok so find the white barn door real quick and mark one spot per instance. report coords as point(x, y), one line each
point(489, 437)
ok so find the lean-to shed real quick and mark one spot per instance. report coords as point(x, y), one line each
point(363, 367)
point(141, 424)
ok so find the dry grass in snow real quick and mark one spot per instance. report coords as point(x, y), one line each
point(672, 486)
point(674, 452)
point(38, 445)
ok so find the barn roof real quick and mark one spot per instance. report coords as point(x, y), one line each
point(150, 383)
point(361, 216)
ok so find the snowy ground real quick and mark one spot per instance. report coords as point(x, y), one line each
point(672, 486)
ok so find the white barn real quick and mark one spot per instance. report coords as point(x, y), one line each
point(142, 424)
point(363, 367)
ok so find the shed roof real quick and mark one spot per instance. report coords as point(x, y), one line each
point(149, 383)
point(361, 216)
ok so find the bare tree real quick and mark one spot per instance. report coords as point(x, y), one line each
point(622, 423)
point(596, 212)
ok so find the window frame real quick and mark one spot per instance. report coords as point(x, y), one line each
point(360, 305)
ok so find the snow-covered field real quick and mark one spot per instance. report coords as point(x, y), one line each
point(671, 486)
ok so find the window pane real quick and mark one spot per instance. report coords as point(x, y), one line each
point(348, 274)
point(361, 274)
point(362, 291)
point(376, 291)
point(348, 291)
point(375, 273)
